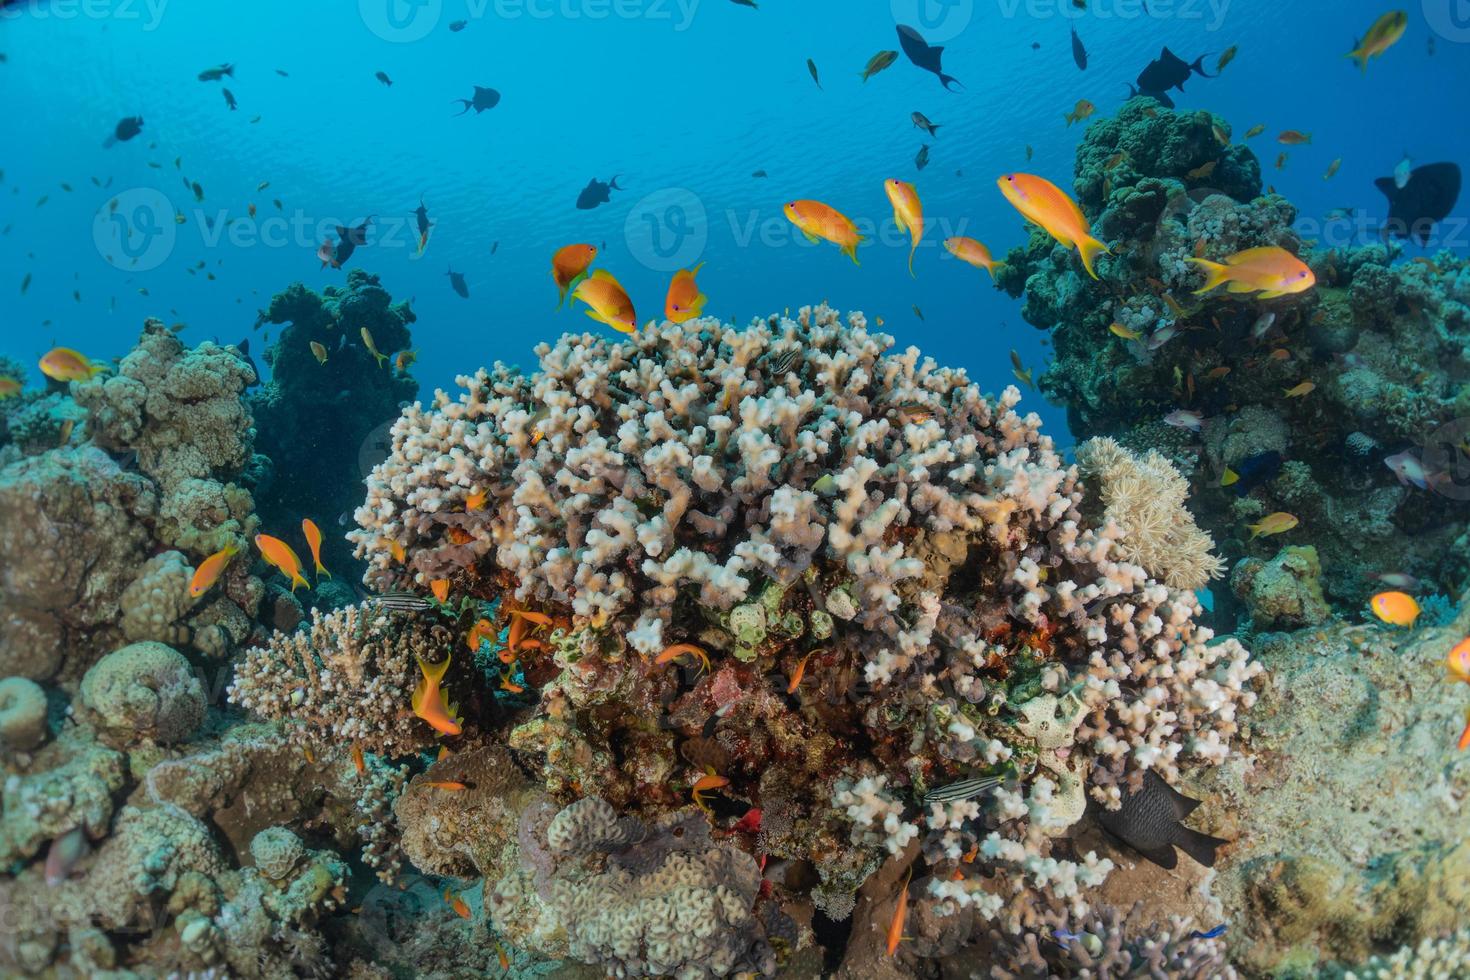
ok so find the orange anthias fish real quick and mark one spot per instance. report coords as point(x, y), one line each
point(65, 364)
point(569, 266)
point(1045, 204)
point(455, 902)
point(1395, 608)
point(705, 784)
point(1270, 270)
point(908, 212)
point(1384, 34)
point(973, 252)
point(358, 761)
point(1301, 390)
point(279, 554)
point(684, 301)
point(798, 674)
point(9, 387)
point(900, 912)
point(683, 650)
point(1079, 112)
point(1277, 523)
point(481, 631)
point(447, 785)
point(440, 588)
point(819, 222)
point(210, 569)
point(1458, 661)
point(1292, 137)
point(607, 302)
point(476, 500)
point(1464, 741)
point(431, 702)
point(314, 542)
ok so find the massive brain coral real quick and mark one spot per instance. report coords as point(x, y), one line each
point(889, 573)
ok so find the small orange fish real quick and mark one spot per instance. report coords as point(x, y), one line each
point(1270, 270)
point(396, 550)
point(684, 301)
point(444, 753)
point(798, 674)
point(455, 902)
point(900, 912)
point(818, 222)
point(476, 500)
point(358, 762)
point(706, 784)
point(1279, 354)
point(678, 650)
point(1291, 137)
point(1458, 661)
point(430, 701)
point(607, 301)
point(973, 252)
point(1464, 741)
point(314, 541)
point(440, 588)
point(569, 266)
point(1045, 204)
point(1395, 608)
point(1255, 131)
point(504, 957)
point(9, 387)
point(531, 616)
point(1384, 34)
point(481, 631)
point(210, 569)
point(1079, 112)
point(1277, 523)
point(1305, 388)
point(279, 554)
point(1214, 374)
point(447, 785)
point(908, 212)
point(506, 684)
point(306, 751)
point(1203, 170)
point(405, 359)
point(65, 364)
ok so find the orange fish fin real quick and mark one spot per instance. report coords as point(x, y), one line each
point(1215, 274)
point(1088, 248)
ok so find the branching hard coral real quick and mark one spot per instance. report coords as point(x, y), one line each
point(346, 678)
point(1431, 959)
point(890, 577)
point(1144, 495)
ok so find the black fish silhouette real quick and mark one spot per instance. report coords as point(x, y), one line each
point(126, 129)
point(348, 239)
point(421, 215)
point(484, 98)
point(923, 54)
point(596, 192)
point(457, 283)
point(1168, 71)
point(1426, 198)
point(1162, 98)
point(1079, 53)
point(1149, 822)
point(229, 99)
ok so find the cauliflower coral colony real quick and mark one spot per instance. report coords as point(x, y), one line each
point(747, 615)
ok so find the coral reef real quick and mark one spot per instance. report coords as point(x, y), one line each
point(315, 421)
point(1380, 341)
point(889, 579)
point(143, 691)
point(112, 523)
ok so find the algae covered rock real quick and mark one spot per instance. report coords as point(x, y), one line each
point(1285, 592)
point(146, 691)
point(22, 714)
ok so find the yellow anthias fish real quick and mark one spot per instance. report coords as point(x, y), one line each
point(908, 212)
point(210, 569)
point(1384, 34)
point(607, 301)
point(314, 541)
point(684, 301)
point(279, 554)
point(1079, 112)
point(431, 702)
point(569, 266)
point(1270, 270)
point(1277, 523)
point(367, 340)
point(973, 252)
point(1301, 390)
point(822, 223)
point(1045, 204)
point(65, 364)
point(1121, 331)
point(1395, 608)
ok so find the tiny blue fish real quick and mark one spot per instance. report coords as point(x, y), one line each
point(1214, 933)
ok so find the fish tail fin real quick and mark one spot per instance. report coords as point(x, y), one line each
point(992, 267)
point(851, 251)
point(1199, 846)
point(561, 297)
point(464, 102)
point(1089, 248)
point(1215, 274)
point(434, 673)
point(946, 80)
point(320, 570)
point(1198, 67)
point(911, 260)
point(614, 182)
point(298, 579)
point(382, 358)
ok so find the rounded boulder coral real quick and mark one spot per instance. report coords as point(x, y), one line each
point(146, 691)
point(22, 714)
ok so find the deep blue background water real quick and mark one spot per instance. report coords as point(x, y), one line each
point(683, 101)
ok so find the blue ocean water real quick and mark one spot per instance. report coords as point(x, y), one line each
point(683, 101)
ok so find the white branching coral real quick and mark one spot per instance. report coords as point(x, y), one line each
point(1144, 496)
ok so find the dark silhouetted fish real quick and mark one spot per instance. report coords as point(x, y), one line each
point(348, 239)
point(457, 283)
point(1255, 470)
point(216, 73)
point(126, 129)
point(1169, 71)
point(229, 99)
point(921, 159)
point(1149, 822)
point(484, 98)
point(923, 54)
point(458, 25)
point(811, 66)
point(1162, 98)
point(382, 76)
point(244, 348)
point(421, 215)
point(1079, 53)
point(1426, 198)
point(596, 192)
point(922, 121)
